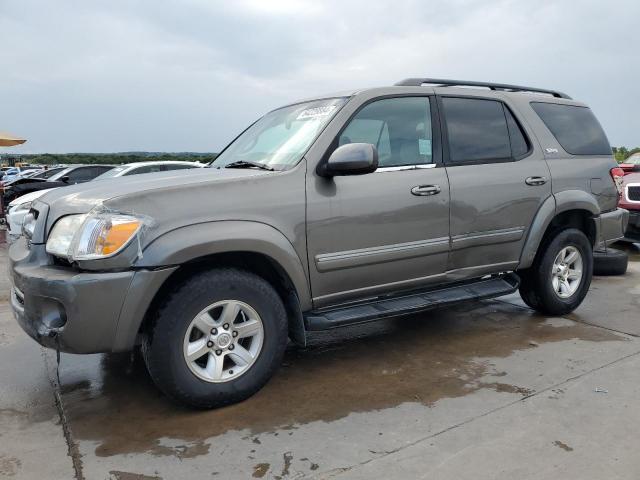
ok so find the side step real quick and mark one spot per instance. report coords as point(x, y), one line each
point(411, 303)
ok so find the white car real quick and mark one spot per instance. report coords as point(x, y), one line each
point(147, 167)
point(19, 207)
point(17, 210)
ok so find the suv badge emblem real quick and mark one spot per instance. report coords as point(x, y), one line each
point(551, 150)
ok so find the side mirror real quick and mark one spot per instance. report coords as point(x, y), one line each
point(65, 179)
point(351, 159)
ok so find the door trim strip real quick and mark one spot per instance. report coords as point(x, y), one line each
point(489, 237)
point(386, 253)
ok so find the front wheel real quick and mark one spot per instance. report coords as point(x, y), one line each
point(217, 339)
point(560, 276)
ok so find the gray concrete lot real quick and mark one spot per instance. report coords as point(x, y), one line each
point(488, 390)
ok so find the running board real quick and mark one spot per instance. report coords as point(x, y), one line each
point(411, 303)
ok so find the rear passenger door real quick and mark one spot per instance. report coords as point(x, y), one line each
point(498, 179)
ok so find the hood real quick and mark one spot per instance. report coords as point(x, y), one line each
point(29, 197)
point(162, 196)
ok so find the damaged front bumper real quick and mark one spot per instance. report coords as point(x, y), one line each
point(74, 311)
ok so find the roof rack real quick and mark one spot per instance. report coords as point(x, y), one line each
point(417, 82)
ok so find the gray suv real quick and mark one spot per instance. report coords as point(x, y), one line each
point(327, 212)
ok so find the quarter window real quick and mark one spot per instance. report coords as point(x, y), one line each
point(399, 128)
point(576, 128)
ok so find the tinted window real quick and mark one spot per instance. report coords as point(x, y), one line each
point(400, 128)
point(519, 144)
point(477, 130)
point(83, 174)
point(575, 128)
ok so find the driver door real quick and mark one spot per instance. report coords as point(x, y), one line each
point(384, 231)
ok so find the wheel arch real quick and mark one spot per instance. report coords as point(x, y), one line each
point(568, 209)
point(250, 246)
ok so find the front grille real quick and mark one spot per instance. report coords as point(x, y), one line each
point(633, 193)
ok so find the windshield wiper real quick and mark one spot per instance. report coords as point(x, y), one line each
point(248, 164)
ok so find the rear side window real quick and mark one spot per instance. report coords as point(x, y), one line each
point(575, 128)
point(482, 130)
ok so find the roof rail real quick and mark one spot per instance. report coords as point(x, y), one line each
point(417, 82)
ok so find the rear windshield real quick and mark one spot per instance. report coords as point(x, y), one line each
point(575, 128)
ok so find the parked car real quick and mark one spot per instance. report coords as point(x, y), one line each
point(10, 174)
point(71, 175)
point(19, 207)
point(327, 212)
point(631, 164)
point(630, 199)
point(147, 167)
point(39, 175)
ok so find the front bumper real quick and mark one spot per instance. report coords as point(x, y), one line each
point(78, 312)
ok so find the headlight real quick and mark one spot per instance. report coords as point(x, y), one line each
point(29, 225)
point(92, 236)
point(20, 207)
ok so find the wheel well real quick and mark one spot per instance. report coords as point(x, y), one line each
point(580, 219)
point(257, 263)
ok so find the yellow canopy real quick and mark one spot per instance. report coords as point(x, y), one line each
point(8, 140)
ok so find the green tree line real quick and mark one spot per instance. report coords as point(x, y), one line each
point(622, 153)
point(105, 158)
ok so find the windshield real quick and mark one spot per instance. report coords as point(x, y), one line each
point(281, 138)
point(114, 172)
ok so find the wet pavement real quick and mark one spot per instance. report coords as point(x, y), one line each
point(482, 390)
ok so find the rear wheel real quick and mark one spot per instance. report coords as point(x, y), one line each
point(560, 276)
point(217, 339)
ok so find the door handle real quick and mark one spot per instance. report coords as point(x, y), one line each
point(536, 180)
point(425, 190)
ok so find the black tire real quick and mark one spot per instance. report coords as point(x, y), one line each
point(610, 262)
point(163, 344)
point(536, 282)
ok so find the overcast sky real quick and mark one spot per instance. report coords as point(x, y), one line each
point(188, 75)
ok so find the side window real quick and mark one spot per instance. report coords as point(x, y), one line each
point(477, 130)
point(400, 129)
point(576, 128)
point(79, 175)
point(99, 171)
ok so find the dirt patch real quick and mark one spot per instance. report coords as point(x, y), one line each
point(563, 446)
point(423, 359)
point(9, 466)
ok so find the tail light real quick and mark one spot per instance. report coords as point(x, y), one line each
point(617, 174)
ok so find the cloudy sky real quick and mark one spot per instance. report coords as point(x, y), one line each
point(187, 75)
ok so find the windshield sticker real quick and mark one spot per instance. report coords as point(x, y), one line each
point(316, 112)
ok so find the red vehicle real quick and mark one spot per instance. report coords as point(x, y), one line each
point(631, 164)
point(630, 199)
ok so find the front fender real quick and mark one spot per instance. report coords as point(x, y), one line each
point(189, 243)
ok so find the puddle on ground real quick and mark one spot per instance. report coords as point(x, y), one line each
point(111, 400)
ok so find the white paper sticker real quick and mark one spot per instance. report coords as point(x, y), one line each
point(316, 112)
point(424, 146)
